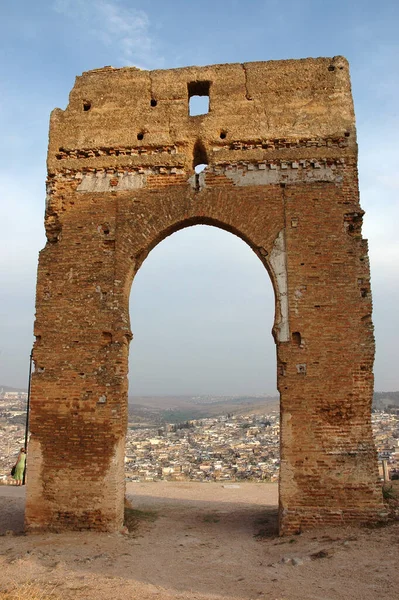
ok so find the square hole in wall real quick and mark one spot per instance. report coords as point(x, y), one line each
point(198, 98)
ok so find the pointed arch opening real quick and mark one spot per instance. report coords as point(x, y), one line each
point(202, 358)
point(202, 271)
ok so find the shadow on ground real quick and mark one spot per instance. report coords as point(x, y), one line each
point(263, 520)
point(12, 509)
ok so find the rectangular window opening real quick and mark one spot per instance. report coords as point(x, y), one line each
point(198, 96)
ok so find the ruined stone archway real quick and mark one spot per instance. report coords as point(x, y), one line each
point(280, 144)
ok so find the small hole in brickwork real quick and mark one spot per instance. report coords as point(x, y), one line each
point(364, 292)
point(347, 133)
point(106, 337)
point(153, 102)
point(105, 229)
point(223, 135)
point(200, 168)
point(140, 136)
point(331, 68)
point(282, 368)
point(296, 338)
point(198, 98)
point(353, 223)
point(86, 105)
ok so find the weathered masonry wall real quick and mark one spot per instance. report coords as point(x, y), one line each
point(280, 144)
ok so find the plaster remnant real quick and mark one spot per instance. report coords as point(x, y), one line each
point(48, 194)
point(272, 174)
point(105, 182)
point(278, 264)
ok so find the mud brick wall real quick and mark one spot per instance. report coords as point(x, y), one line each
point(279, 142)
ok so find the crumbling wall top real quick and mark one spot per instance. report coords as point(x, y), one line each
point(307, 99)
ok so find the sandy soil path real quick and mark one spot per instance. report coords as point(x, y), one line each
point(200, 541)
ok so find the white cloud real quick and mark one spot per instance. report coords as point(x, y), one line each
point(115, 25)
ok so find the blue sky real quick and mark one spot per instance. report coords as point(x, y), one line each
point(204, 336)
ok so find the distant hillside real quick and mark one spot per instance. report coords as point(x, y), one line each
point(7, 388)
point(172, 409)
point(383, 400)
point(153, 410)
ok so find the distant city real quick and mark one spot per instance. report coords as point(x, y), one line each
point(232, 438)
point(228, 447)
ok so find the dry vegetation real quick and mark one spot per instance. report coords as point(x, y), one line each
point(30, 591)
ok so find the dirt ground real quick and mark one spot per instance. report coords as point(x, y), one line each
point(200, 541)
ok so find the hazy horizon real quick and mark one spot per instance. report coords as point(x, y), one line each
point(193, 395)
